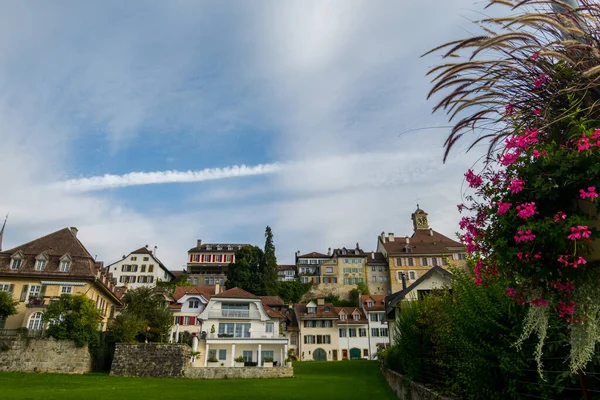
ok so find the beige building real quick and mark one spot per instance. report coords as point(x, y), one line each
point(415, 255)
point(318, 331)
point(378, 274)
point(208, 263)
point(39, 272)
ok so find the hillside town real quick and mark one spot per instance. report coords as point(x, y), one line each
point(226, 322)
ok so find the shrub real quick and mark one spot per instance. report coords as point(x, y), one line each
point(212, 359)
point(268, 359)
point(239, 359)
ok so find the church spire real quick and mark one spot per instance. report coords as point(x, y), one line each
point(2, 231)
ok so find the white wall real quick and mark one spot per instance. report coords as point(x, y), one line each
point(139, 260)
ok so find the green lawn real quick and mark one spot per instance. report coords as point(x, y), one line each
point(313, 380)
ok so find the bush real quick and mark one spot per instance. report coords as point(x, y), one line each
point(212, 359)
point(239, 359)
point(268, 359)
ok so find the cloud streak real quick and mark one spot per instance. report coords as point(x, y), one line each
point(109, 181)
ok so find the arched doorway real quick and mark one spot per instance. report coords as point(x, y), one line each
point(354, 354)
point(320, 355)
point(35, 322)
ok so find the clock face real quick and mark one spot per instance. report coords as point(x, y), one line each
point(422, 220)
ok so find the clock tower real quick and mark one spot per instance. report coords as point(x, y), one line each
point(419, 218)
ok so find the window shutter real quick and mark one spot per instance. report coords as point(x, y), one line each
point(181, 320)
point(11, 288)
point(43, 291)
point(192, 320)
point(24, 293)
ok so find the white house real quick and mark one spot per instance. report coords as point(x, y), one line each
point(436, 278)
point(238, 323)
point(189, 302)
point(353, 333)
point(374, 308)
point(140, 268)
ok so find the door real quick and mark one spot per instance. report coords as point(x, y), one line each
point(344, 354)
point(266, 354)
point(320, 355)
point(334, 355)
point(355, 354)
point(247, 355)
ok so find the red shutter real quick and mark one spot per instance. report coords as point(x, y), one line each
point(180, 320)
point(192, 320)
point(191, 257)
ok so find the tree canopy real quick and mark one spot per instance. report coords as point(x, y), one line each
point(74, 317)
point(8, 306)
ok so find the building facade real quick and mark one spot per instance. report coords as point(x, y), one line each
point(319, 337)
point(309, 266)
point(208, 263)
point(140, 268)
point(374, 308)
point(286, 273)
point(188, 303)
point(39, 272)
point(378, 274)
point(353, 333)
point(413, 256)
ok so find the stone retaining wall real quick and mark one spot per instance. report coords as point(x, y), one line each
point(43, 355)
point(409, 390)
point(238, 373)
point(155, 360)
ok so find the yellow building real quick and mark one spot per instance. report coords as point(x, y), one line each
point(39, 272)
point(417, 254)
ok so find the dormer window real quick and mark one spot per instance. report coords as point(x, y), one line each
point(40, 262)
point(356, 317)
point(312, 310)
point(194, 303)
point(370, 304)
point(65, 263)
point(326, 309)
point(343, 317)
point(208, 247)
point(229, 247)
point(219, 247)
point(239, 247)
point(17, 261)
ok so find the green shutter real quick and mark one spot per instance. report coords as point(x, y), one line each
point(43, 291)
point(24, 293)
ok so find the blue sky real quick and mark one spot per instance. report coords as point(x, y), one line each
point(317, 92)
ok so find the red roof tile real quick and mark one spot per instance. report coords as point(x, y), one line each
point(424, 241)
point(236, 293)
point(377, 299)
point(205, 290)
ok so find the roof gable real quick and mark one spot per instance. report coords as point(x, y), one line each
point(205, 290)
point(236, 293)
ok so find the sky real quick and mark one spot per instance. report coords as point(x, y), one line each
point(161, 123)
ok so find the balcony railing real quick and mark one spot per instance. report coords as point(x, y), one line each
point(41, 301)
point(22, 332)
point(246, 335)
point(234, 314)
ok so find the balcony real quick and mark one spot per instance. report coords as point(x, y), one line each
point(246, 335)
point(44, 301)
point(234, 314)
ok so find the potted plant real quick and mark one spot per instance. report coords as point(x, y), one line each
point(268, 362)
point(212, 331)
point(212, 362)
point(194, 354)
point(239, 362)
point(288, 362)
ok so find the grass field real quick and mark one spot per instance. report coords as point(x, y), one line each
point(313, 380)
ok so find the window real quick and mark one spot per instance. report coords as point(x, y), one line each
point(134, 268)
point(370, 304)
point(329, 270)
point(434, 261)
point(424, 262)
point(412, 275)
point(356, 317)
point(269, 327)
point(312, 310)
point(64, 266)
point(342, 332)
point(16, 263)
point(444, 261)
point(186, 320)
point(35, 322)
point(383, 331)
point(195, 281)
point(374, 332)
point(143, 268)
point(229, 258)
point(133, 258)
point(327, 324)
point(373, 279)
point(462, 256)
point(219, 258)
point(411, 261)
point(212, 353)
point(211, 281)
point(346, 261)
point(4, 287)
point(343, 317)
point(362, 332)
point(247, 354)
point(373, 317)
point(194, 303)
point(380, 268)
point(206, 258)
point(40, 265)
point(293, 339)
point(66, 289)
point(146, 258)
point(222, 354)
point(150, 279)
point(34, 291)
point(309, 339)
point(352, 332)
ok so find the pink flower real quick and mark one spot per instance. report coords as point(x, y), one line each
point(539, 302)
point(596, 134)
point(473, 179)
point(580, 261)
point(579, 232)
point(509, 109)
point(566, 309)
point(526, 210)
point(516, 185)
point(563, 259)
point(583, 144)
point(537, 256)
point(559, 215)
point(540, 80)
point(523, 141)
point(591, 193)
point(520, 255)
point(524, 236)
point(535, 55)
point(536, 111)
point(509, 158)
point(460, 207)
point(503, 207)
point(566, 287)
point(511, 292)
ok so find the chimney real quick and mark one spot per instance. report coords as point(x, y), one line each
point(321, 301)
point(390, 237)
point(407, 240)
point(217, 288)
point(198, 242)
point(383, 237)
point(298, 253)
point(329, 251)
point(74, 231)
point(154, 252)
point(359, 305)
point(430, 232)
point(372, 255)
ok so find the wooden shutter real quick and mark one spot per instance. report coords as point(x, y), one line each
point(43, 291)
point(11, 288)
point(24, 293)
point(180, 320)
point(192, 320)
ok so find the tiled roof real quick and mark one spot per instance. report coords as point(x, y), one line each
point(120, 291)
point(423, 241)
point(146, 251)
point(292, 322)
point(174, 306)
point(54, 246)
point(142, 250)
point(236, 293)
point(214, 246)
point(377, 299)
point(350, 320)
point(394, 298)
point(314, 255)
point(302, 312)
point(376, 258)
point(205, 290)
point(273, 313)
point(344, 252)
point(286, 267)
point(272, 300)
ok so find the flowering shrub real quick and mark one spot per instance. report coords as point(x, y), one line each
point(533, 216)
